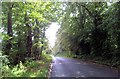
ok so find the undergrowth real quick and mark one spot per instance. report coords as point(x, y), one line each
point(29, 68)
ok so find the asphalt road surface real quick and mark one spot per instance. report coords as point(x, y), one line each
point(66, 67)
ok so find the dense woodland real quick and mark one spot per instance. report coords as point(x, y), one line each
point(91, 31)
point(24, 26)
point(23, 33)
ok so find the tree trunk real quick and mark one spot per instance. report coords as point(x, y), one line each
point(36, 34)
point(29, 37)
point(9, 29)
point(42, 42)
point(29, 42)
point(36, 41)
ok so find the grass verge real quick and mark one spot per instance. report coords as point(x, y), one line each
point(29, 69)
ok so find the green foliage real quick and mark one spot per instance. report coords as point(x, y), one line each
point(46, 57)
point(65, 54)
point(28, 69)
point(91, 31)
point(23, 37)
point(26, 39)
point(4, 59)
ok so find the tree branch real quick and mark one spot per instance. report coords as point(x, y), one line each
point(89, 12)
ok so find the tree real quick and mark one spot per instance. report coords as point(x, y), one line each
point(90, 30)
point(26, 23)
point(9, 29)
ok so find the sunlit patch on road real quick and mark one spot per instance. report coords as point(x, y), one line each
point(59, 63)
point(82, 76)
point(63, 75)
point(78, 72)
point(78, 63)
point(54, 71)
point(84, 63)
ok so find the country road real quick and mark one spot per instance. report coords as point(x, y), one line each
point(66, 67)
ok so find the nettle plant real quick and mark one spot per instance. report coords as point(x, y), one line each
point(3, 59)
point(3, 63)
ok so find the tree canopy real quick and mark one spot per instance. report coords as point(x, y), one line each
point(91, 30)
point(24, 25)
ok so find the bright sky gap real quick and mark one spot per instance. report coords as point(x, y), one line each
point(51, 33)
